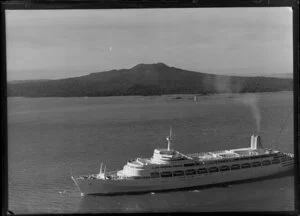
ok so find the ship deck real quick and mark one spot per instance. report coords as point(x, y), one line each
point(214, 155)
point(228, 154)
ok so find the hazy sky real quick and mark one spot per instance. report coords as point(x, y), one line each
point(51, 44)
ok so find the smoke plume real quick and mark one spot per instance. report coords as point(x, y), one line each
point(225, 84)
point(251, 101)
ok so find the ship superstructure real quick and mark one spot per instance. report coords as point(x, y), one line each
point(169, 169)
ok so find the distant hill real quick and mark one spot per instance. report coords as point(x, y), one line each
point(146, 79)
point(27, 81)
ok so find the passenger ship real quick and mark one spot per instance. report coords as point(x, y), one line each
point(169, 169)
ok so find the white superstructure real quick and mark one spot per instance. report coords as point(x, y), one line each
point(169, 169)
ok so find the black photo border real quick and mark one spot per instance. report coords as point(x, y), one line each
point(139, 4)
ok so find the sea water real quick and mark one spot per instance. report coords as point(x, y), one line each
point(51, 138)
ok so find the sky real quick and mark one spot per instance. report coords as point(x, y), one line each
point(54, 44)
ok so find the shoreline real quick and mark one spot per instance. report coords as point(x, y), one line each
point(164, 95)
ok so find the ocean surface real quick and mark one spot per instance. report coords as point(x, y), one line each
point(50, 138)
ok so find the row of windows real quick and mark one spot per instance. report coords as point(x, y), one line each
point(191, 164)
point(178, 165)
point(286, 159)
point(275, 161)
point(165, 166)
point(214, 169)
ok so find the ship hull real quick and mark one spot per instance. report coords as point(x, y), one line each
point(110, 187)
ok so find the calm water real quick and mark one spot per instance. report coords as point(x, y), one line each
point(48, 136)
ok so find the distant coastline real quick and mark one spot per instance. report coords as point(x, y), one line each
point(170, 96)
point(146, 80)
